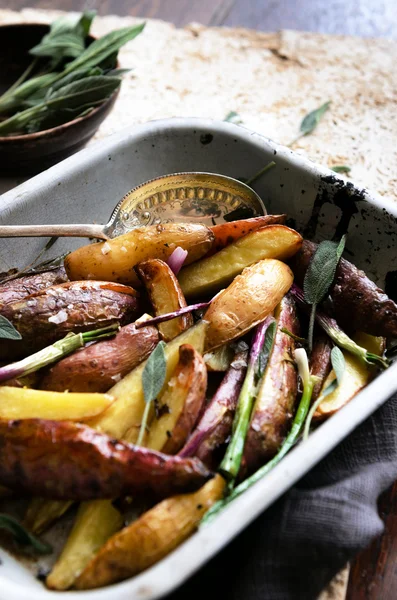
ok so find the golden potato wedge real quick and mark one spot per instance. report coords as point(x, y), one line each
point(249, 299)
point(179, 406)
point(89, 541)
point(165, 295)
point(150, 538)
point(355, 377)
point(42, 513)
point(211, 274)
point(24, 403)
point(115, 259)
point(124, 423)
point(220, 358)
point(227, 233)
point(123, 419)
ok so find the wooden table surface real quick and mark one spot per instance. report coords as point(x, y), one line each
point(373, 574)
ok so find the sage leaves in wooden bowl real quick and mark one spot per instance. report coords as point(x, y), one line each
point(57, 84)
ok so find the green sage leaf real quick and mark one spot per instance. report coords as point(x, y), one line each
point(321, 271)
point(313, 118)
point(153, 376)
point(233, 117)
point(82, 92)
point(7, 330)
point(264, 354)
point(104, 47)
point(22, 536)
point(341, 169)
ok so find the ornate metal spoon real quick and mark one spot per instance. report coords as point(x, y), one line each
point(202, 197)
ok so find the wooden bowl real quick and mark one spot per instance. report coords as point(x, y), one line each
point(34, 152)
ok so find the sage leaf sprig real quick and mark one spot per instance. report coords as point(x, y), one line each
point(22, 536)
point(339, 365)
point(7, 330)
point(233, 117)
point(310, 121)
point(341, 169)
point(54, 97)
point(153, 378)
point(319, 277)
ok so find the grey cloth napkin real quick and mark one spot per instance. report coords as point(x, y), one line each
point(295, 548)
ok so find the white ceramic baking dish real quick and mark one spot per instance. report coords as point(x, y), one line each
point(85, 187)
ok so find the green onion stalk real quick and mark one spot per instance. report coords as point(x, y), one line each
point(308, 382)
point(53, 353)
point(231, 462)
point(337, 335)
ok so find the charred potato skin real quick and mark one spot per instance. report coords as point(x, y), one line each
point(274, 406)
point(96, 368)
point(84, 304)
point(320, 361)
point(358, 304)
point(18, 289)
point(165, 295)
point(116, 259)
point(93, 466)
point(191, 376)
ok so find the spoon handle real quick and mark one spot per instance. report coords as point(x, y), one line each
point(91, 231)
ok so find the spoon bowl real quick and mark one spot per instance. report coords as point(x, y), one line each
point(205, 198)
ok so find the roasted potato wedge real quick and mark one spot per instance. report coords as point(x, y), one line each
point(227, 233)
point(219, 359)
point(151, 537)
point(250, 298)
point(181, 403)
point(355, 377)
point(275, 401)
point(42, 513)
point(47, 316)
point(357, 302)
point(165, 295)
point(18, 289)
point(124, 421)
point(215, 426)
point(93, 465)
point(115, 259)
point(88, 541)
point(211, 274)
point(98, 367)
point(16, 403)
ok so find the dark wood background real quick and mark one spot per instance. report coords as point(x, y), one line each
point(351, 17)
point(374, 572)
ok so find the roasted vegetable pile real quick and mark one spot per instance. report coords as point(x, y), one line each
point(127, 399)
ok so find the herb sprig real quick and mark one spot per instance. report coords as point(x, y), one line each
point(61, 91)
point(319, 277)
point(153, 378)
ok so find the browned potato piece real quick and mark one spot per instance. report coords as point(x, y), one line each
point(165, 295)
point(96, 368)
point(180, 404)
point(220, 358)
point(150, 538)
point(355, 376)
point(274, 405)
point(115, 259)
point(75, 306)
point(209, 275)
point(17, 289)
point(248, 300)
